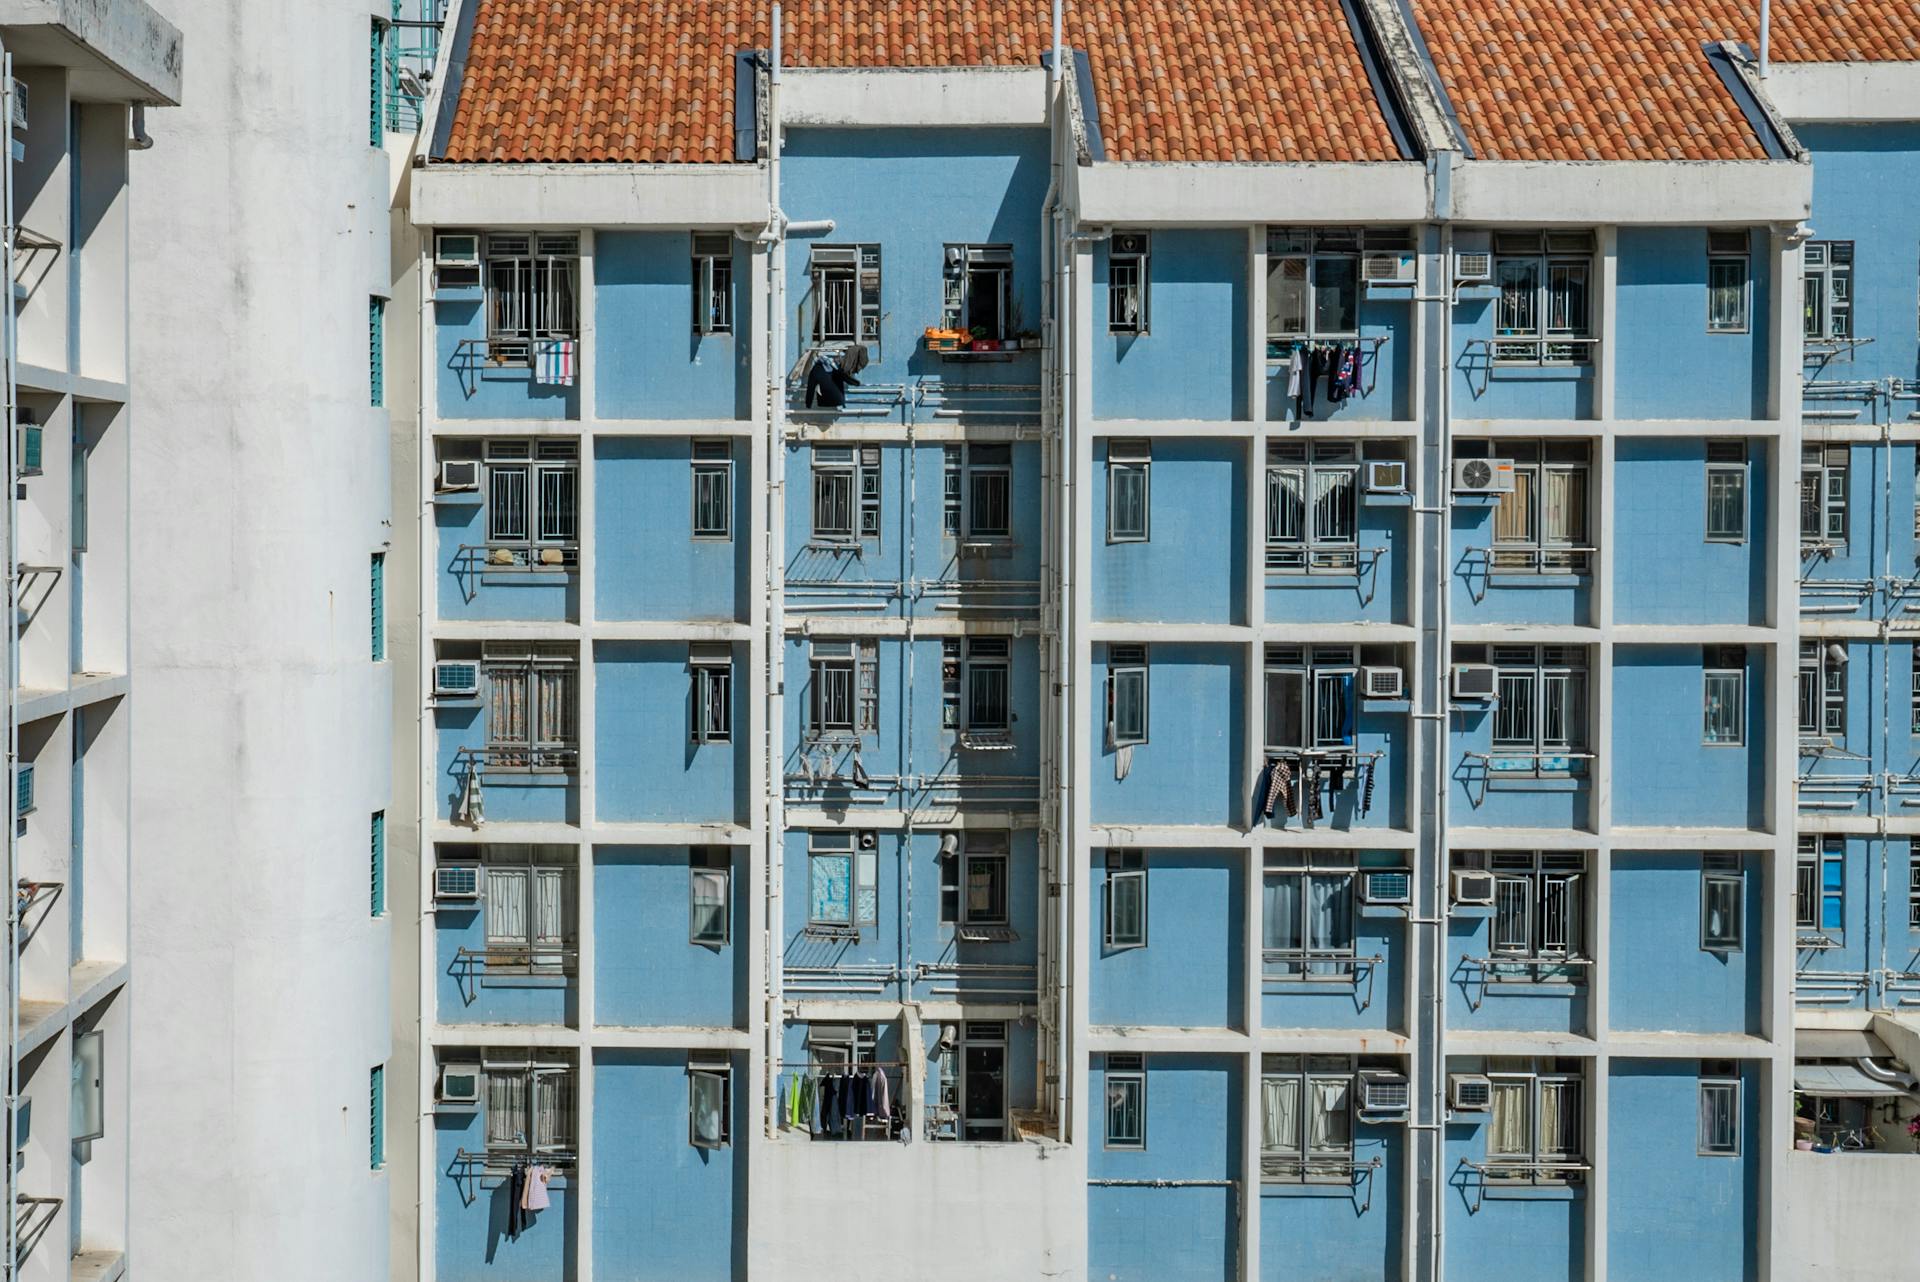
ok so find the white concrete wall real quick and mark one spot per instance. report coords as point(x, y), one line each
point(1840, 1216)
point(261, 743)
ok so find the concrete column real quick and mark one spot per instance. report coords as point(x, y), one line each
point(1257, 323)
point(1606, 296)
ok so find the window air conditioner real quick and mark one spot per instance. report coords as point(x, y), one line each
point(1475, 681)
point(456, 680)
point(1473, 886)
point(1483, 476)
point(456, 249)
point(1388, 269)
point(1469, 1092)
point(1387, 477)
point(456, 881)
point(1472, 256)
point(1382, 683)
point(1386, 886)
point(459, 1084)
point(459, 474)
point(1384, 1094)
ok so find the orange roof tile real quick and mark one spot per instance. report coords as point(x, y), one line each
point(653, 80)
point(1590, 80)
point(1822, 30)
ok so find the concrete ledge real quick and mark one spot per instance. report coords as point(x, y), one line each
point(1845, 92)
point(589, 195)
point(126, 39)
point(946, 97)
point(1629, 192)
point(1143, 195)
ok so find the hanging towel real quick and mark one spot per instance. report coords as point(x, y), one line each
point(556, 362)
point(1313, 794)
point(1366, 795)
point(536, 1195)
point(859, 772)
point(810, 1106)
point(857, 1088)
point(1280, 788)
point(879, 1103)
point(1295, 368)
point(1316, 366)
point(1123, 762)
point(1345, 373)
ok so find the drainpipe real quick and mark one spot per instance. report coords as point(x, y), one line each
point(1766, 34)
point(9, 340)
point(140, 141)
point(1882, 1073)
point(773, 547)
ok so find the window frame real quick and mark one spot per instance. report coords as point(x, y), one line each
point(546, 954)
point(1826, 482)
point(711, 862)
point(1298, 254)
point(1540, 467)
point(1131, 459)
point(1722, 255)
point(854, 664)
point(1535, 1081)
point(966, 472)
point(1326, 539)
point(1128, 664)
point(862, 881)
point(1553, 258)
point(712, 282)
point(1540, 932)
point(1333, 961)
point(1736, 474)
point(549, 742)
point(987, 659)
point(1725, 873)
point(1130, 865)
point(1547, 665)
point(1129, 285)
point(856, 469)
point(711, 471)
point(527, 1074)
point(1321, 670)
point(965, 268)
point(1128, 1075)
point(534, 527)
point(1303, 1162)
point(710, 676)
point(1821, 689)
point(1705, 1144)
point(1820, 891)
point(1825, 264)
point(852, 270)
point(1913, 883)
point(543, 293)
point(712, 1071)
point(1710, 674)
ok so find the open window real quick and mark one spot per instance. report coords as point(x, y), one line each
point(979, 291)
point(985, 682)
point(1827, 291)
point(1307, 916)
point(1128, 257)
point(845, 300)
point(1544, 314)
point(1126, 1082)
point(710, 896)
point(1129, 471)
point(843, 881)
point(1126, 695)
point(710, 670)
point(532, 288)
point(846, 494)
point(713, 282)
point(709, 1099)
point(843, 699)
point(1126, 900)
point(977, 493)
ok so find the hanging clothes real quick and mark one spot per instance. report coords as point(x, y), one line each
point(878, 1102)
point(516, 1194)
point(1345, 379)
point(556, 361)
point(1122, 762)
point(860, 779)
point(811, 1109)
point(1296, 366)
point(1366, 794)
point(1336, 781)
point(1262, 787)
point(535, 1197)
point(1314, 813)
point(857, 1088)
point(830, 1115)
point(827, 383)
point(1316, 366)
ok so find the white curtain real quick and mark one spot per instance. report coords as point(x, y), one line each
point(553, 1109)
point(506, 905)
point(550, 905)
point(1511, 1133)
point(506, 1109)
point(1280, 1114)
point(1330, 1130)
point(1328, 918)
point(1282, 912)
point(1559, 1119)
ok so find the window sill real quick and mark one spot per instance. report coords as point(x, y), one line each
point(1332, 1187)
point(1538, 579)
point(1504, 987)
point(1514, 1191)
point(526, 981)
point(1004, 354)
point(1500, 781)
point(1386, 498)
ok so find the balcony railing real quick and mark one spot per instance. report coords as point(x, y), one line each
point(1336, 967)
point(1507, 969)
point(1499, 1174)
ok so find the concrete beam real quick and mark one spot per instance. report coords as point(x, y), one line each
point(1633, 192)
point(572, 196)
point(1845, 92)
point(121, 49)
point(944, 97)
point(1188, 195)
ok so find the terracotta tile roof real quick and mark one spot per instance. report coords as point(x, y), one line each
point(1823, 30)
point(653, 80)
point(1590, 80)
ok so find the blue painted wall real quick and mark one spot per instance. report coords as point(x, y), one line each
point(468, 590)
point(1192, 971)
point(1670, 1212)
point(1662, 773)
point(465, 994)
point(1190, 770)
point(646, 970)
point(470, 1216)
point(1193, 569)
point(1484, 595)
point(663, 1209)
point(1317, 1233)
point(648, 767)
point(1539, 1234)
point(649, 564)
point(1378, 594)
point(1662, 979)
point(1664, 569)
point(1193, 364)
point(471, 388)
point(652, 363)
point(1864, 190)
point(1194, 1132)
point(515, 797)
point(1487, 799)
point(1667, 364)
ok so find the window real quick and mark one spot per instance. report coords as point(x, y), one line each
point(843, 881)
point(846, 293)
point(377, 871)
point(1913, 884)
point(1309, 697)
point(532, 292)
point(377, 351)
point(1127, 278)
point(1823, 495)
point(1823, 691)
point(846, 494)
point(377, 85)
point(709, 1099)
point(530, 1111)
point(377, 1117)
point(1719, 1111)
point(709, 877)
point(1129, 470)
point(1543, 314)
point(531, 911)
point(1126, 695)
point(710, 668)
point(1540, 526)
point(533, 706)
point(1313, 279)
point(1728, 292)
point(377, 606)
point(1306, 1119)
point(1914, 691)
point(1726, 491)
point(979, 291)
point(713, 490)
point(1307, 911)
point(977, 492)
point(1537, 1127)
point(1827, 290)
point(1126, 1101)
point(842, 698)
point(1819, 892)
point(87, 1098)
point(1539, 929)
point(1723, 904)
point(1312, 492)
point(1724, 697)
point(989, 715)
point(533, 503)
point(713, 282)
point(983, 899)
point(1540, 720)
point(1126, 895)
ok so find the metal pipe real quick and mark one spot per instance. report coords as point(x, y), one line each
point(773, 573)
point(1766, 34)
point(140, 139)
point(10, 340)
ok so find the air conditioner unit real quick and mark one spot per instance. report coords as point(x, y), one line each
point(1473, 886)
point(456, 881)
point(29, 447)
point(1388, 269)
point(1469, 1092)
point(456, 249)
point(456, 680)
point(1473, 256)
point(1475, 681)
point(1384, 1094)
point(459, 1084)
point(1386, 886)
point(1483, 476)
point(1382, 683)
point(1387, 477)
point(459, 474)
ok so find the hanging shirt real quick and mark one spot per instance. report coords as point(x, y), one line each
point(535, 1198)
point(877, 1091)
point(1295, 368)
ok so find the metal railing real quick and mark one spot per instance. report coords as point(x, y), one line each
point(1541, 764)
point(1501, 1174)
point(1348, 970)
point(515, 760)
point(1492, 975)
point(1283, 1169)
point(536, 960)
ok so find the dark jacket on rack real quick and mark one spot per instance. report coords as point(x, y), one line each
point(827, 383)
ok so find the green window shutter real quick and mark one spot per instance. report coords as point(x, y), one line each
point(377, 1117)
point(377, 351)
point(23, 788)
point(377, 609)
point(377, 84)
point(379, 863)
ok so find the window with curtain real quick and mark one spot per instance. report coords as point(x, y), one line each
point(1129, 469)
point(1723, 897)
point(709, 1100)
point(1719, 1116)
point(530, 1109)
point(1312, 506)
point(532, 288)
point(710, 878)
point(530, 912)
point(1306, 1119)
point(1544, 314)
point(1536, 1131)
point(1126, 900)
point(1126, 695)
point(1541, 526)
point(532, 706)
point(1126, 1082)
point(1307, 914)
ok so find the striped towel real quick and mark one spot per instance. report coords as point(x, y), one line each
point(556, 361)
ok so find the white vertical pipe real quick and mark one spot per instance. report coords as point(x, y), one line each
point(774, 561)
point(1766, 34)
point(9, 339)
